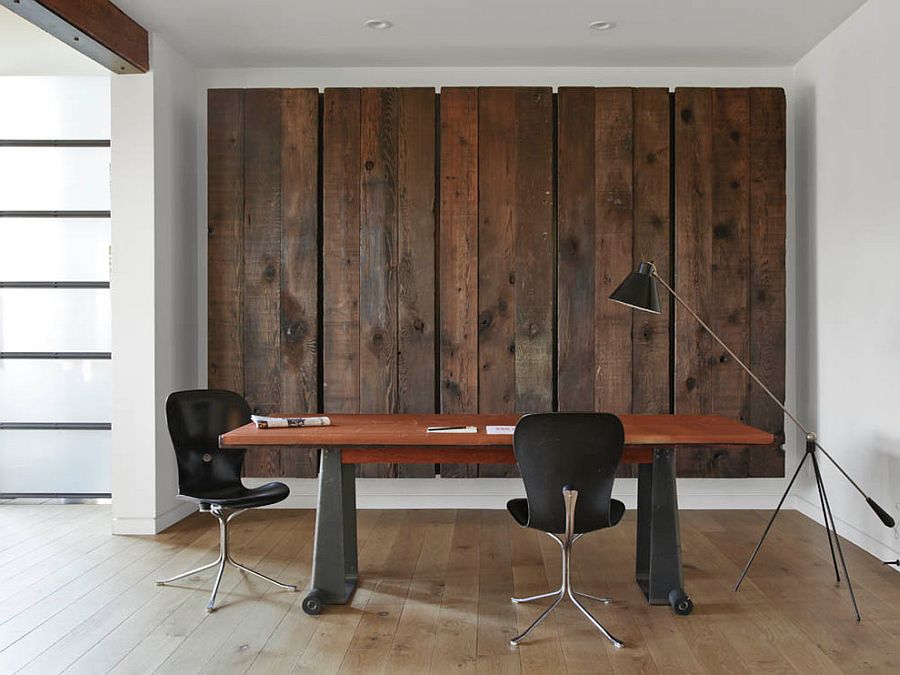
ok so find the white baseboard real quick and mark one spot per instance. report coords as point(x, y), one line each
point(153, 525)
point(847, 530)
point(493, 493)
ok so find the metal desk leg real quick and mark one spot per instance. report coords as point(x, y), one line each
point(335, 564)
point(658, 547)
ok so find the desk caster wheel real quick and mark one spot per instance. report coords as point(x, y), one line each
point(680, 602)
point(312, 603)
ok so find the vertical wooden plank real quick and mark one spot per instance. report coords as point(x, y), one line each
point(340, 256)
point(458, 241)
point(693, 254)
point(416, 242)
point(652, 230)
point(299, 265)
point(225, 184)
point(535, 250)
point(262, 265)
point(614, 243)
point(576, 216)
point(730, 263)
point(378, 259)
point(767, 271)
point(497, 221)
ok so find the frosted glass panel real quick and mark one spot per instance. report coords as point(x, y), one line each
point(54, 179)
point(54, 249)
point(58, 108)
point(55, 461)
point(55, 391)
point(55, 320)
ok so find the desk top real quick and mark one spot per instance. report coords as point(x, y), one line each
point(395, 431)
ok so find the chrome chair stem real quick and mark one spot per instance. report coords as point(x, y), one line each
point(566, 542)
point(224, 558)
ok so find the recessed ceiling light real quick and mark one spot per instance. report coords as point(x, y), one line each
point(602, 25)
point(378, 24)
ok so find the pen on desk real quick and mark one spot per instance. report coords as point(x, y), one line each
point(443, 428)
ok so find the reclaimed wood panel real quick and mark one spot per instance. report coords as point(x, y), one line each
point(299, 264)
point(576, 222)
point(650, 358)
point(262, 265)
point(438, 243)
point(458, 257)
point(225, 239)
point(416, 278)
point(516, 251)
point(263, 257)
point(613, 210)
point(378, 259)
point(767, 221)
point(535, 250)
point(340, 249)
point(613, 134)
point(730, 264)
point(717, 260)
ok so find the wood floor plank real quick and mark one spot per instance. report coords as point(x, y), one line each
point(434, 597)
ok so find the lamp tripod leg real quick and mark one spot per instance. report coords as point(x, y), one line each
point(821, 489)
point(771, 520)
point(837, 541)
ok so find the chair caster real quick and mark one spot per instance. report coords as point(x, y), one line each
point(681, 602)
point(312, 603)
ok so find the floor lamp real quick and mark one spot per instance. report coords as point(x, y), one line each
point(639, 291)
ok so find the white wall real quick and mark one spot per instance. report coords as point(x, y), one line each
point(847, 132)
point(154, 293)
point(489, 493)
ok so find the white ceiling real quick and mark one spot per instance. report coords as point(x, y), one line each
point(237, 33)
point(25, 49)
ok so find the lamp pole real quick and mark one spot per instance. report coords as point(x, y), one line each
point(634, 292)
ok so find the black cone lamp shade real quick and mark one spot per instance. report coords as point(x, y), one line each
point(638, 290)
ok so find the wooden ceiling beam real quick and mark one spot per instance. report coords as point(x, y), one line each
point(96, 28)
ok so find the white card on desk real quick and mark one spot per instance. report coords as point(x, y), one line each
point(500, 430)
point(452, 430)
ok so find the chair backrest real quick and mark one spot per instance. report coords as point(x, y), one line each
point(196, 418)
point(578, 450)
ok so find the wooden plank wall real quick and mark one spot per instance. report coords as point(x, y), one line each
point(613, 210)
point(729, 248)
point(379, 254)
point(263, 257)
point(469, 242)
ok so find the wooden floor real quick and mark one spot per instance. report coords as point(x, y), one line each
point(434, 597)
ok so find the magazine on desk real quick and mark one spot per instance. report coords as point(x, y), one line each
point(263, 422)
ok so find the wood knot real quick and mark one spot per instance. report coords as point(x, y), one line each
point(369, 165)
point(735, 136)
point(735, 184)
point(722, 231)
point(502, 305)
point(690, 383)
point(651, 158)
point(687, 116)
point(512, 278)
point(723, 358)
point(485, 320)
point(295, 331)
point(511, 348)
point(419, 325)
point(377, 338)
point(269, 272)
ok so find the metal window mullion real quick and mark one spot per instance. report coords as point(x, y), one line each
point(56, 426)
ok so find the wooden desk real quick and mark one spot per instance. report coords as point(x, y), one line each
point(650, 440)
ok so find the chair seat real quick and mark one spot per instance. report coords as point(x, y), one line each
point(241, 497)
point(518, 509)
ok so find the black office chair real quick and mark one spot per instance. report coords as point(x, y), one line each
point(211, 476)
point(562, 456)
